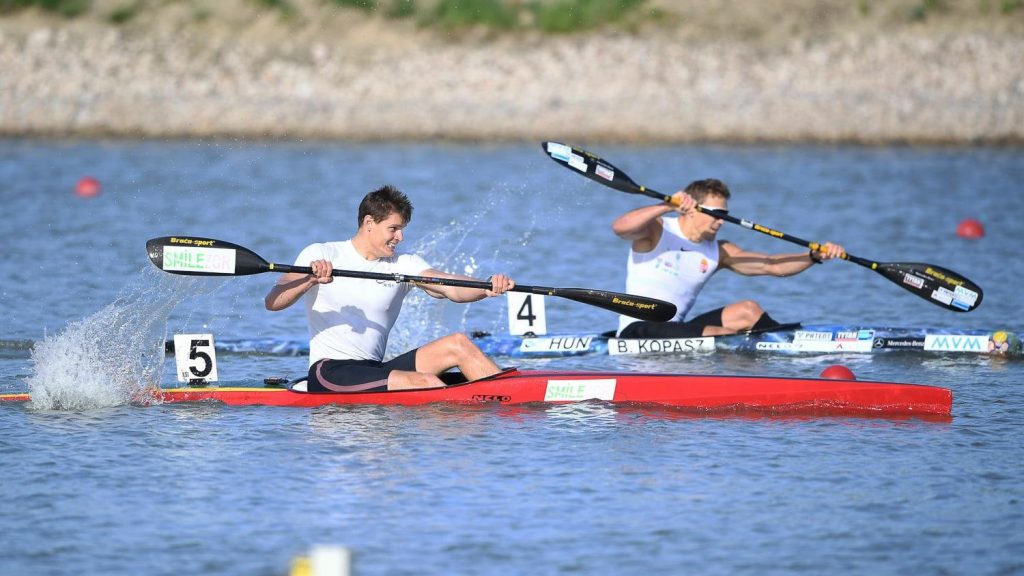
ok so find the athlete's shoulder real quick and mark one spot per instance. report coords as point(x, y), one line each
point(411, 263)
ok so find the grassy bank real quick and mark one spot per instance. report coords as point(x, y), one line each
point(547, 16)
point(691, 19)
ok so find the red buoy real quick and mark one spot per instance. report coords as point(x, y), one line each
point(87, 187)
point(838, 372)
point(970, 228)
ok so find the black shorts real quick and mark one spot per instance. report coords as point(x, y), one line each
point(357, 375)
point(690, 329)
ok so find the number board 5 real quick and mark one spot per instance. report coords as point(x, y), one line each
point(195, 358)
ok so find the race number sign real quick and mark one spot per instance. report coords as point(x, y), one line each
point(526, 314)
point(195, 357)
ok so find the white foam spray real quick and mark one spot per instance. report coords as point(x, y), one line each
point(111, 357)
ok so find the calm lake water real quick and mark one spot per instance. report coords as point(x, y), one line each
point(96, 486)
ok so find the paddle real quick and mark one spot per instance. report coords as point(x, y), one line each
point(207, 257)
point(936, 284)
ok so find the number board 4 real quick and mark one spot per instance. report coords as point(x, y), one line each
point(195, 358)
point(526, 314)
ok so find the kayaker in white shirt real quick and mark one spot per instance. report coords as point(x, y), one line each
point(350, 318)
point(674, 252)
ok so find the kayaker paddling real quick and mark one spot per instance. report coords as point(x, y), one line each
point(350, 318)
point(672, 257)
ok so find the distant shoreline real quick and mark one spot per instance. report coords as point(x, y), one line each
point(903, 88)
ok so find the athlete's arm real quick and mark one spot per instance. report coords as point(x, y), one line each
point(291, 286)
point(642, 226)
point(500, 284)
point(749, 263)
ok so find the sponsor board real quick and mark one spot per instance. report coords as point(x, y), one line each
point(956, 343)
point(839, 336)
point(818, 346)
point(804, 335)
point(899, 343)
point(618, 346)
point(577, 390)
point(839, 341)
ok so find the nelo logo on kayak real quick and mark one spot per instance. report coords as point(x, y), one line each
point(491, 398)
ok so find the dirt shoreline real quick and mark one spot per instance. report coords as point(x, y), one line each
point(944, 86)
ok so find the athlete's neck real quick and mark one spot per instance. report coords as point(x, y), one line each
point(364, 248)
point(689, 231)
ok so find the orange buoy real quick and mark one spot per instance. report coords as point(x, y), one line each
point(87, 187)
point(970, 228)
point(838, 372)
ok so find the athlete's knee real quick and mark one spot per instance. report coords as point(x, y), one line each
point(460, 345)
point(750, 310)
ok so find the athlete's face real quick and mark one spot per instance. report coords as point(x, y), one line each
point(706, 223)
point(386, 234)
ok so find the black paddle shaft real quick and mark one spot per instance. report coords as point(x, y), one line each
point(193, 256)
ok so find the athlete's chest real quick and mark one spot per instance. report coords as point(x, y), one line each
point(685, 262)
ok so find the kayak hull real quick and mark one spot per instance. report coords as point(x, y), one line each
point(677, 390)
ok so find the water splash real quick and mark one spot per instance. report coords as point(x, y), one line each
point(111, 357)
point(456, 247)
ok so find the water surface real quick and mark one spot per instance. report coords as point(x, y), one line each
point(590, 488)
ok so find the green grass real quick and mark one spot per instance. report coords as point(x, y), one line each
point(284, 7)
point(498, 16)
point(450, 14)
point(566, 16)
point(549, 16)
point(364, 5)
point(66, 8)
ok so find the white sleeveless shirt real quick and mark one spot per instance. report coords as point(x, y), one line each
point(675, 270)
point(351, 318)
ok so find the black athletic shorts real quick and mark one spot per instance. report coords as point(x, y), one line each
point(357, 375)
point(690, 329)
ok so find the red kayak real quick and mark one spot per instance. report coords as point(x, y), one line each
point(713, 393)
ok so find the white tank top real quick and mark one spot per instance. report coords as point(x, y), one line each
point(675, 271)
point(350, 318)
